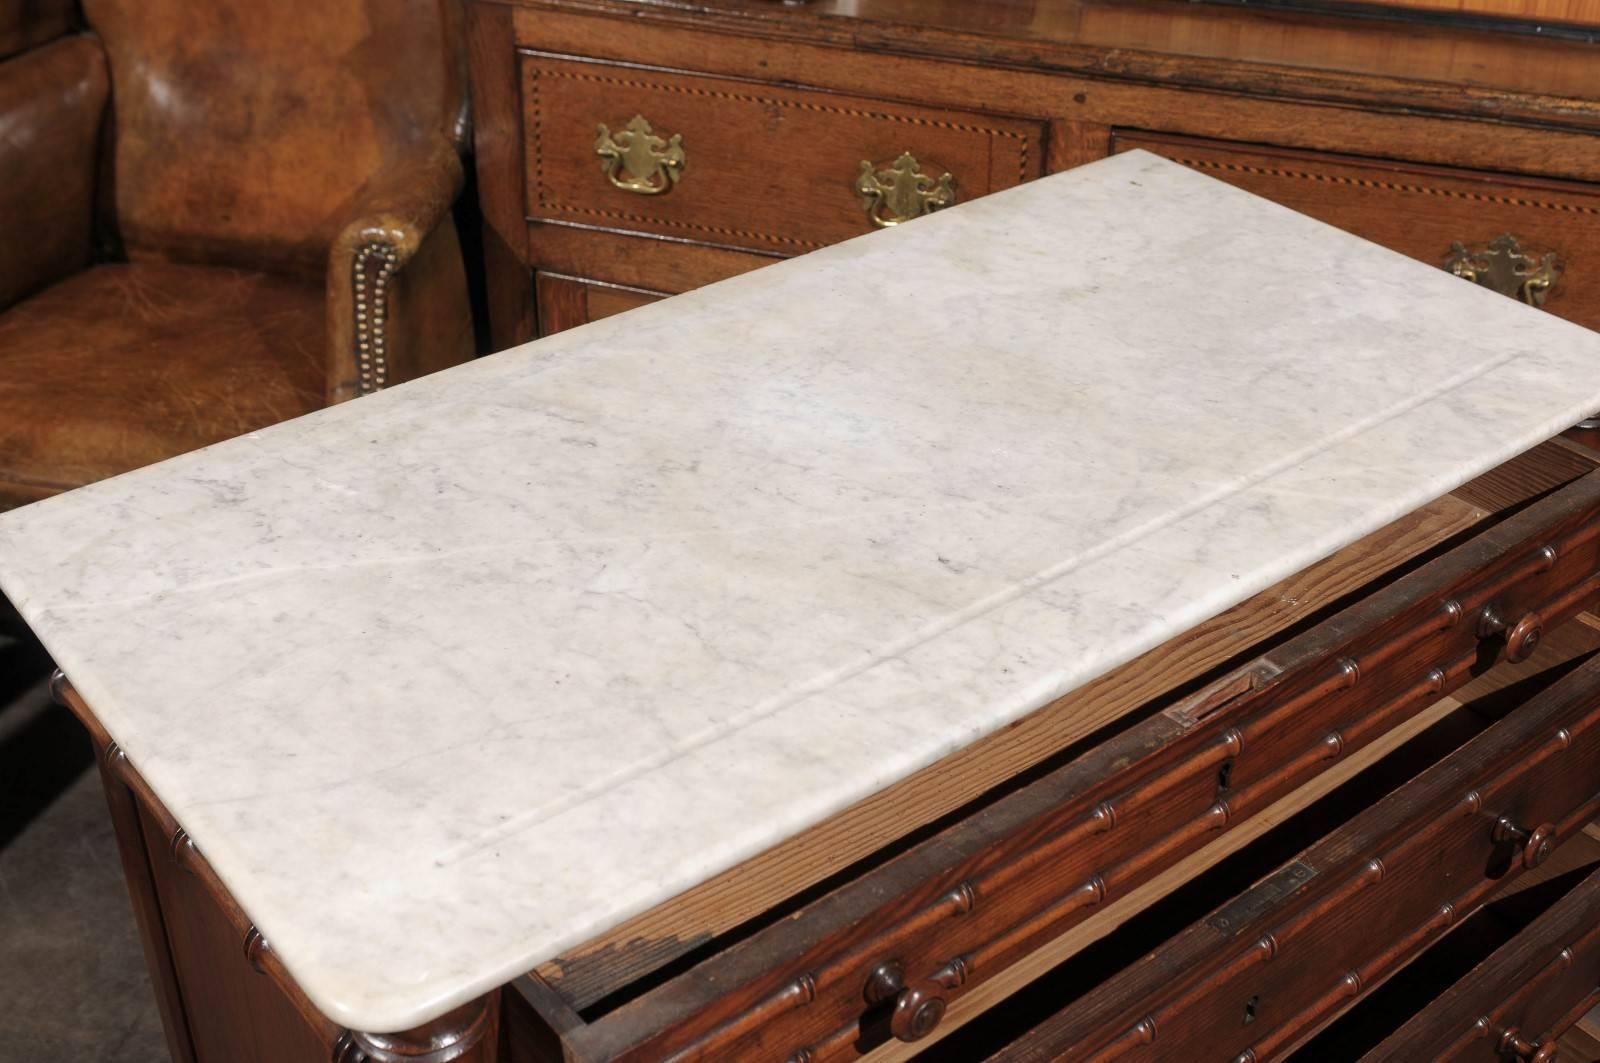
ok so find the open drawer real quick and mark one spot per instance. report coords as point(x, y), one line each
point(883, 953)
point(1518, 1002)
point(1264, 972)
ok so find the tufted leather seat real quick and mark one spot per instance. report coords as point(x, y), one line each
point(199, 203)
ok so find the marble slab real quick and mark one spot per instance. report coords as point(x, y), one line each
point(446, 680)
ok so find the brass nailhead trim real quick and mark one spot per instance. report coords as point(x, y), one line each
point(372, 311)
point(534, 74)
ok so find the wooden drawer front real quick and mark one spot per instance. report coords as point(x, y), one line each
point(1416, 210)
point(765, 168)
point(1522, 997)
point(1270, 968)
point(567, 302)
point(883, 955)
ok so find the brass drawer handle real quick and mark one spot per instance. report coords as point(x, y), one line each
point(900, 191)
point(649, 165)
point(1502, 265)
point(1514, 1046)
point(1536, 844)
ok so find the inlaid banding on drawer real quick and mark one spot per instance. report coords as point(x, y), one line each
point(1418, 210)
point(761, 167)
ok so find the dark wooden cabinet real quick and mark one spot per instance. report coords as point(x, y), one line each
point(1515, 1003)
point(1262, 973)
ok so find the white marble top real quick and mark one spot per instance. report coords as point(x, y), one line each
point(446, 680)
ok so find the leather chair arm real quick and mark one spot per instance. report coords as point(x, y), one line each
point(51, 103)
point(397, 302)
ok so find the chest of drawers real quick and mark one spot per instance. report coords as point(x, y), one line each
point(708, 683)
point(1435, 138)
point(1440, 657)
point(933, 932)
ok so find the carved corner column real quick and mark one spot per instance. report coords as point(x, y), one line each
point(469, 1034)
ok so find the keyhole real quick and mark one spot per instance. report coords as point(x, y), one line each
point(1250, 1009)
point(1224, 776)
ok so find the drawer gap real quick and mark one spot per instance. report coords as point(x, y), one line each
point(624, 967)
point(598, 1006)
point(1481, 702)
point(1360, 1029)
point(1202, 895)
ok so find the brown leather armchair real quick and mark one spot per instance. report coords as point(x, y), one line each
point(217, 216)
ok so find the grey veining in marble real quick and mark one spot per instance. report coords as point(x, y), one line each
point(449, 679)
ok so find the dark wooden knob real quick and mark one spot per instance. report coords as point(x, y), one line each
point(1524, 638)
point(885, 982)
point(1536, 844)
point(1514, 1046)
point(1540, 844)
point(917, 1011)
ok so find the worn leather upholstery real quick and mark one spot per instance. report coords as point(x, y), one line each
point(51, 102)
point(253, 155)
point(124, 364)
point(25, 24)
point(245, 130)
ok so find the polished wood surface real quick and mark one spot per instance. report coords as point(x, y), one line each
point(1262, 973)
point(1189, 43)
point(768, 168)
point(567, 302)
point(1582, 12)
point(1531, 991)
point(1417, 210)
point(636, 261)
point(128, 825)
point(1408, 133)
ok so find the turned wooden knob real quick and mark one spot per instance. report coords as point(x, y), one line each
point(1536, 844)
point(917, 1010)
point(1515, 1046)
point(1540, 844)
point(1524, 638)
point(885, 982)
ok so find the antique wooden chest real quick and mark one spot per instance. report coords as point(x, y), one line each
point(924, 645)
